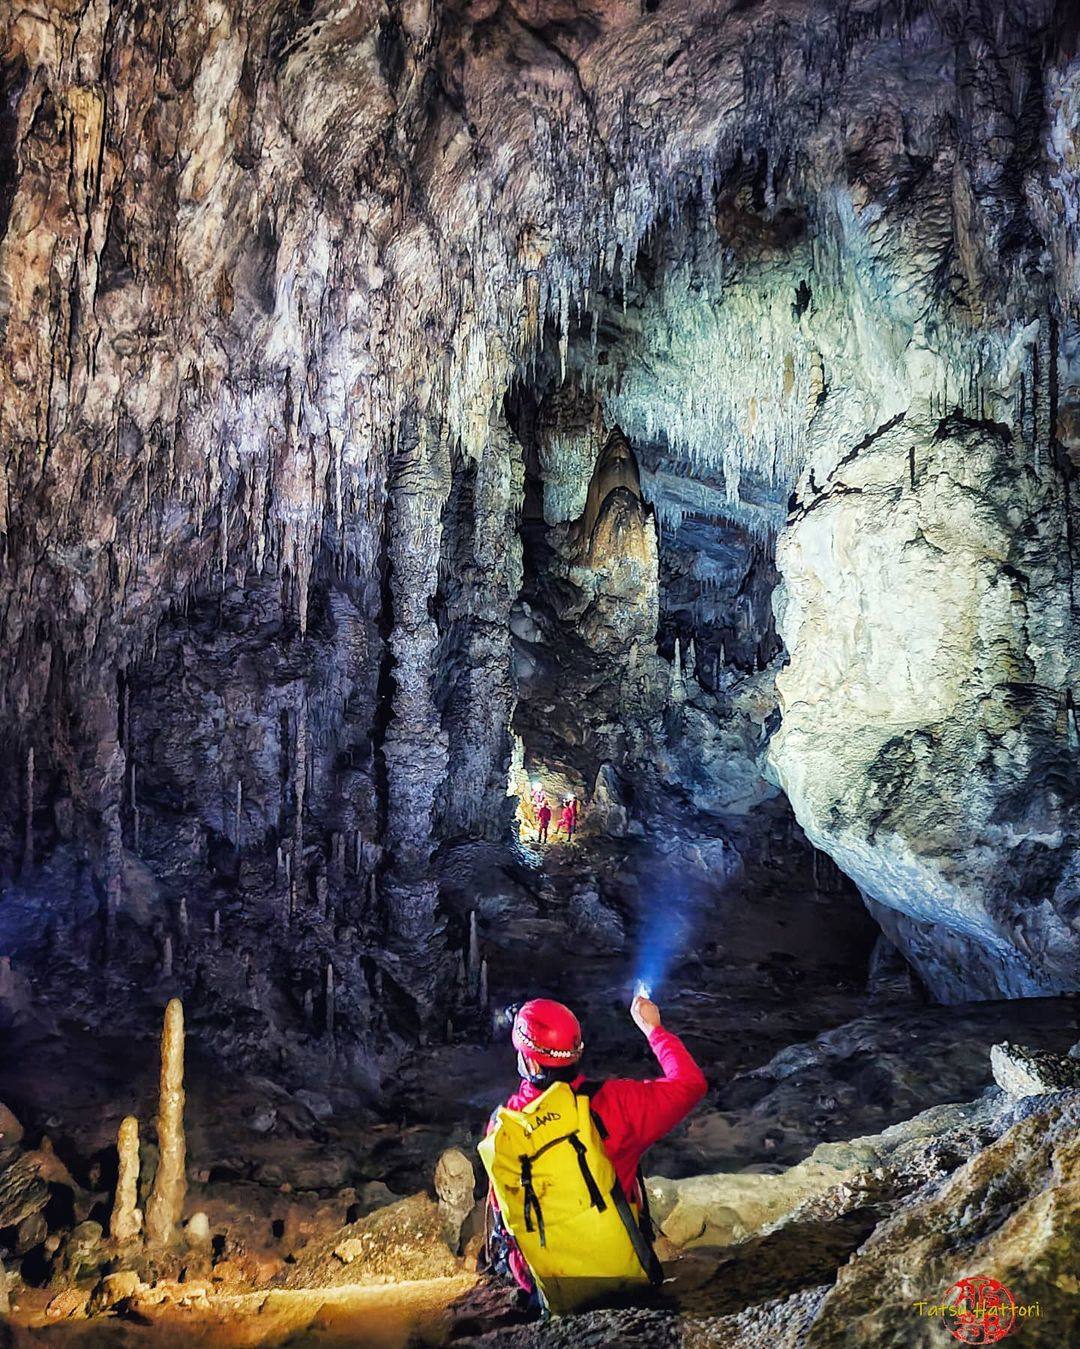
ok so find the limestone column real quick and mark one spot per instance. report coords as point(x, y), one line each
point(415, 748)
point(126, 1221)
point(483, 704)
point(166, 1203)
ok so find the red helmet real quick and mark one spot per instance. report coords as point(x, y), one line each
point(547, 1032)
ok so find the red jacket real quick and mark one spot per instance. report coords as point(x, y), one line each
point(635, 1114)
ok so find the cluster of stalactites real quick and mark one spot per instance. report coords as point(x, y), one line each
point(274, 468)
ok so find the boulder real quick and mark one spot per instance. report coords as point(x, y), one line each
point(596, 921)
point(455, 1185)
point(1030, 1072)
point(67, 1303)
point(401, 1242)
point(114, 1289)
point(82, 1253)
point(11, 1131)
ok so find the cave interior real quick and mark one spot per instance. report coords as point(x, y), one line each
point(422, 409)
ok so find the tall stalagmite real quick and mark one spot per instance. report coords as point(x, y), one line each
point(166, 1203)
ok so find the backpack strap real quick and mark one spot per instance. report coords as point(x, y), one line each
point(595, 1197)
point(590, 1089)
point(641, 1243)
point(532, 1203)
point(648, 1227)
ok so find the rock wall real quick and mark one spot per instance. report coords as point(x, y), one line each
point(928, 736)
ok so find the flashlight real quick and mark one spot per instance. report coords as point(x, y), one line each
point(642, 990)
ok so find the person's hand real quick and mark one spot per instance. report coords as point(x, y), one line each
point(646, 1014)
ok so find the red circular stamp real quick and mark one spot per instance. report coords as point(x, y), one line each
point(982, 1310)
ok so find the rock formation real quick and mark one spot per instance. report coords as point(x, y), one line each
point(1027, 1072)
point(165, 1206)
point(126, 1221)
point(927, 749)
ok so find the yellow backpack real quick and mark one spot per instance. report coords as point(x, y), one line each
point(561, 1201)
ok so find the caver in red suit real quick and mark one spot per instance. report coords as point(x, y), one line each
point(635, 1115)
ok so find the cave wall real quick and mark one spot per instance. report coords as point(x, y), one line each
point(928, 740)
point(268, 272)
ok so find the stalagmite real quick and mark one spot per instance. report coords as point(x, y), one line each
point(167, 957)
point(166, 1203)
point(182, 921)
point(678, 687)
point(28, 833)
point(217, 927)
point(113, 900)
point(238, 813)
point(330, 1000)
point(483, 996)
point(300, 772)
point(474, 951)
point(126, 1221)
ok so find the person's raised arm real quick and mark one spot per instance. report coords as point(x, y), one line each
point(654, 1108)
